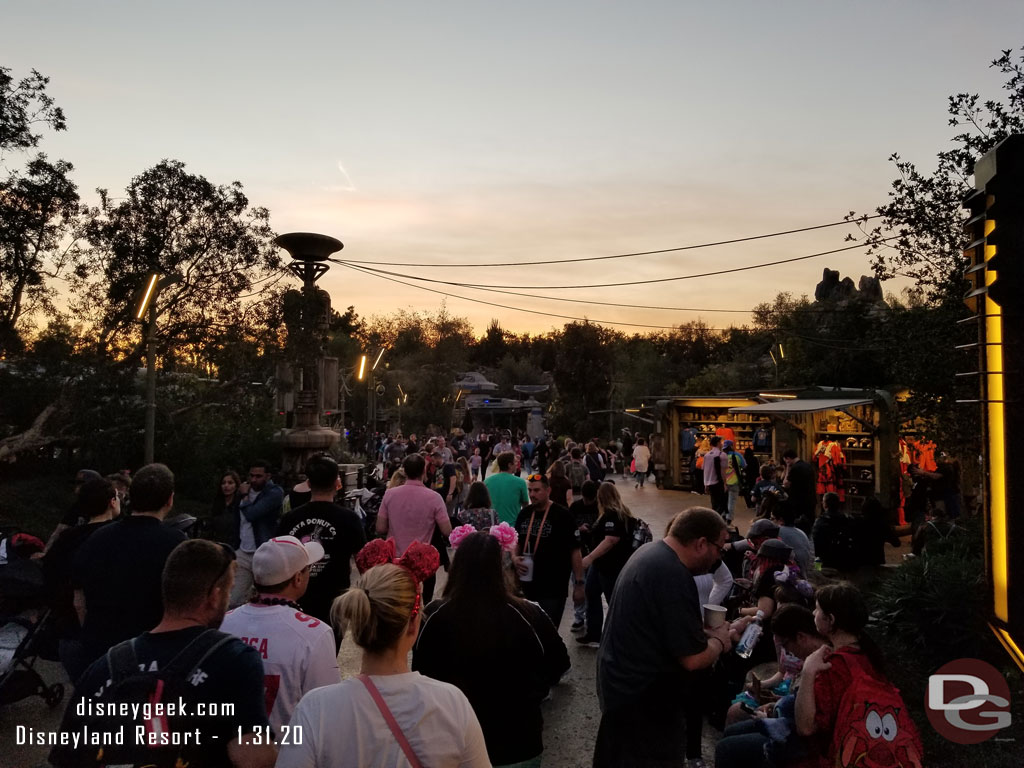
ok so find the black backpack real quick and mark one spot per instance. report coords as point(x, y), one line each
point(148, 690)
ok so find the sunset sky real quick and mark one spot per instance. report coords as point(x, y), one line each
point(461, 132)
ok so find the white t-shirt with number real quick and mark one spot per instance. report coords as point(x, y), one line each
point(297, 650)
point(341, 726)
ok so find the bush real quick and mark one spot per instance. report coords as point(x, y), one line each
point(932, 610)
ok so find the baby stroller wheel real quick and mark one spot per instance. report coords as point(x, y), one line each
point(54, 695)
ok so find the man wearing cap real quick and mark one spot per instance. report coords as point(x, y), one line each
point(297, 650)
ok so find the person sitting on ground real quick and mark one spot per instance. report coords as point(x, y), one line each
point(298, 649)
point(391, 715)
point(784, 516)
point(478, 510)
point(772, 726)
point(871, 532)
point(767, 483)
point(841, 615)
point(937, 528)
point(832, 535)
point(480, 620)
point(759, 532)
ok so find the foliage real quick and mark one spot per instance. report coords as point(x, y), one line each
point(933, 610)
point(921, 232)
point(38, 207)
point(205, 238)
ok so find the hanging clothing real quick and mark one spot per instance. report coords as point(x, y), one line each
point(763, 440)
point(726, 433)
point(831, 463)
point(688, 439)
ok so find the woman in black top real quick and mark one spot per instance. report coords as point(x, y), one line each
point(612, 539)
point(480, 628)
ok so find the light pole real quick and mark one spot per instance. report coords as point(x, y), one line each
point(147, 308)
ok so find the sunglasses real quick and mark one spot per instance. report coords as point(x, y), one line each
point(534, 478)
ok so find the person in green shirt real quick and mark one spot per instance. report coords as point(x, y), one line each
point(508, 492)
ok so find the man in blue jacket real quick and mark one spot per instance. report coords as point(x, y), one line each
point(258, 513)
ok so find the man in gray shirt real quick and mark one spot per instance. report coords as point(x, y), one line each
point(803, 549)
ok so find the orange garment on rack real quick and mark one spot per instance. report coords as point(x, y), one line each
point(831, 463)
point(904, 461)
point(726, 433)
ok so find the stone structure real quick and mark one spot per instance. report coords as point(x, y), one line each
point(309, 380)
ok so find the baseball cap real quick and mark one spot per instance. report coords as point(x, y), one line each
point(280, 558)
point(773, 548)
point(762, 527)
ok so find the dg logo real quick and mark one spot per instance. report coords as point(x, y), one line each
point(968, 701)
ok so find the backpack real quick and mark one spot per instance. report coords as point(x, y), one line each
point(150, 689)
point(577, 475)
point(641, 534)
point(873, 728)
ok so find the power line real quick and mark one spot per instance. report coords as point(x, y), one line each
point(619, 284)
point(620, 255)
point(382, 276)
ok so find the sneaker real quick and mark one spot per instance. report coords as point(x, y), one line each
point(590, 641)
point(577, 626)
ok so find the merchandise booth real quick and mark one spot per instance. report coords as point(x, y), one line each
point(690, 421)
point(849, 436)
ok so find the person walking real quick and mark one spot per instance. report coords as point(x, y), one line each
point(715, 463)
point(641, 462)
point(508, 492)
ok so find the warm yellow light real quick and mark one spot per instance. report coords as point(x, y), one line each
point(994, 395)
point(149, 293)
point(400, 392)
point(773, 357)
point(782, 355)
point(712, 402)
point(362, 367)
point(1011, 647)
point(773, 394)
point(375, 363)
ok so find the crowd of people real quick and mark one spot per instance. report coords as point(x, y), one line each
point(249, 606)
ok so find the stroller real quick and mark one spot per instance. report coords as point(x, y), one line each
point(24, 617)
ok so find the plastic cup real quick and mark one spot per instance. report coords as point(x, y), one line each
point(714, 616)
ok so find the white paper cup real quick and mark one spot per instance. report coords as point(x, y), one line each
point(714, 616)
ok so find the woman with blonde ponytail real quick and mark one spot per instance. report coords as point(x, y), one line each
point(387, 715)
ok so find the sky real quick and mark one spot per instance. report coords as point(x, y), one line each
point(464, 133)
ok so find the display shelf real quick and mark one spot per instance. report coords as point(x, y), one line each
point(851, 434)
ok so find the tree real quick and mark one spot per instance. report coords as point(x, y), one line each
point(924, 212)
point(216, 247)
point(38, 207)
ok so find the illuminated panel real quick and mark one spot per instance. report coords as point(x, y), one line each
point(996, 436)
point(1011, 647)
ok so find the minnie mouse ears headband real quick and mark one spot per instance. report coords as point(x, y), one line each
point(421, 560)
point(503, 532)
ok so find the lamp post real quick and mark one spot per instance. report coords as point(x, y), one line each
point(147, 308)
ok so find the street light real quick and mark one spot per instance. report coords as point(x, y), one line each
point(147, 307)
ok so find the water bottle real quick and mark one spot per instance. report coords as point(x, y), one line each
point(527, 575)
point(817, 563)
point(751, 635)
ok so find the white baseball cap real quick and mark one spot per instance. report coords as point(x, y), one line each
point(280, 558)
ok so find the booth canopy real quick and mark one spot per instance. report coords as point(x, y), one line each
point(802, 405)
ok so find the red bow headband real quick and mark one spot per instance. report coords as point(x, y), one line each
point(421, 560)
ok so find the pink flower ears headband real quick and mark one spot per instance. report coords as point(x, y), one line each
point(421, 560)
point(503, 532)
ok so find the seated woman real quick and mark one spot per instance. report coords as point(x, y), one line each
point(387, 715)
point(832, 713)
point(480, 628)
point(771, 725)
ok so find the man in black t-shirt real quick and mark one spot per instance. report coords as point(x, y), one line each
point(116, 573)
point(339, 530)
point(653, 638)
point(548, 551)
point(799, 483)
point(584, 513)
point(444, 479)
point(196, 584)
point(99, 502)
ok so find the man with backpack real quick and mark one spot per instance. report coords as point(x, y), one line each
point(194, 695)
point(577, 472)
